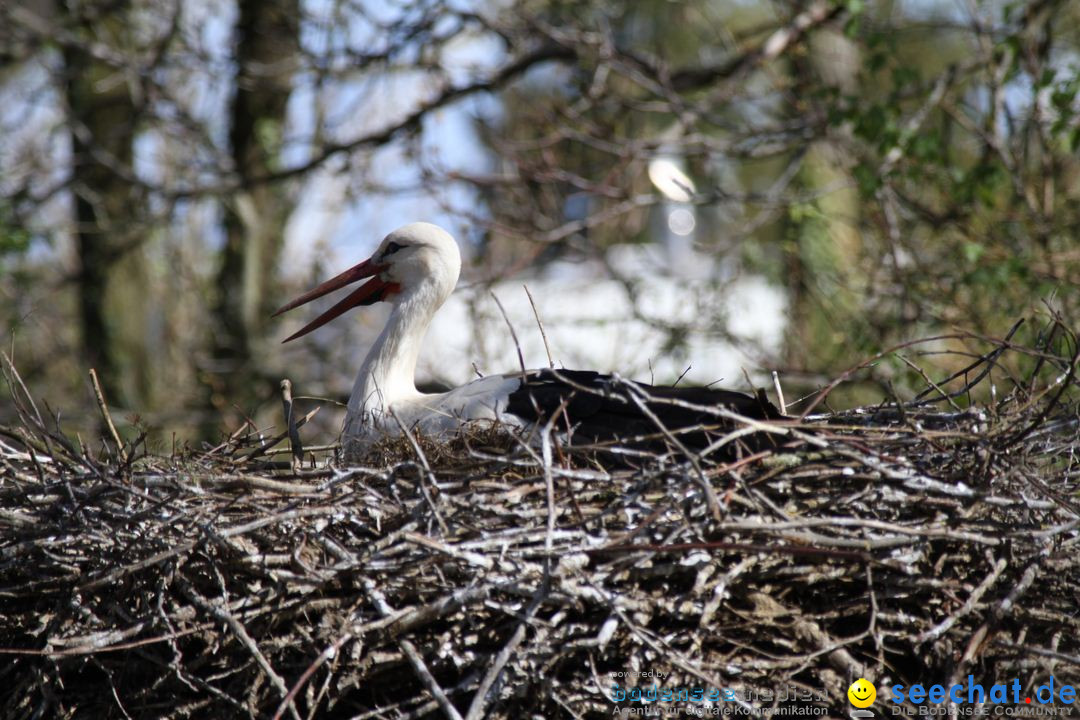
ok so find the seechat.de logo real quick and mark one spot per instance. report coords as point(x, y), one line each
point(862, 693)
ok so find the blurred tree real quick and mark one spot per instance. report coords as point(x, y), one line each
point(824, 260)
point(102, 117)
point(916, 164)
point(267, 48)
point(900, 167)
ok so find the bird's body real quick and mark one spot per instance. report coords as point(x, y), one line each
point(434, 414)
point(415, 269)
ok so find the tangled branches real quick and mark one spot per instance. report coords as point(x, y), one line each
point(904, 543)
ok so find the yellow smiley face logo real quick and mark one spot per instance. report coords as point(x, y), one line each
point(862, 693)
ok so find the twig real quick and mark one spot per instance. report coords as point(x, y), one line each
point(290, 424)
point(931, 383)
point(328, 653)
point(521, 357)
point(987, 361)
point(540, 324)
point(942, 627)
point(711, 500)
point(277, 438)
point(245, 639)
point(13, 374)
point(779, 393)
point(429, 476)
point(417, 662)
point(100, 397)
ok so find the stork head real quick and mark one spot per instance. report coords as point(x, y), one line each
point(416, 260)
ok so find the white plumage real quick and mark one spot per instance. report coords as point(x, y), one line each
point(416, 268)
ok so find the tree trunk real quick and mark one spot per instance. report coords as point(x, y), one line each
point(825, 271)
point(267, 45)
point(102, 117)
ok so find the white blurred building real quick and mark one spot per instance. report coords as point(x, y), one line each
point(592, 323)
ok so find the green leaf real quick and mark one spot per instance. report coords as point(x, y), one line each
point(851, 27)
point(973, 251)
point(867, 179)
point(926, 146)
point(904, 76)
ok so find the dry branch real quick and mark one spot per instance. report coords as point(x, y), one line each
point(491, 577)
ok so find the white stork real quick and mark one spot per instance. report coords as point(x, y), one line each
point(415, 269)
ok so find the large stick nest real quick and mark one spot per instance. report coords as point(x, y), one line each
point(908, 543)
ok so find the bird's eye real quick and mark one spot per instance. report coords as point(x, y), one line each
point(392, 248)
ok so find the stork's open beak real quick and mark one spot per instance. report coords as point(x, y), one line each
point(370, 292)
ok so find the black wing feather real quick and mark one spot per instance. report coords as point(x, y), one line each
point(600, 408)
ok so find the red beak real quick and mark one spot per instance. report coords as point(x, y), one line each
point(370, 292)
